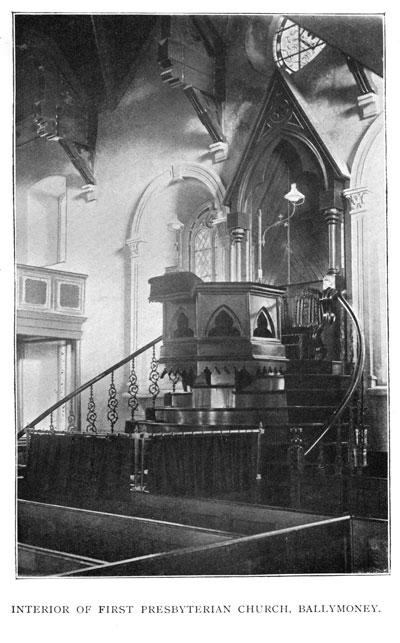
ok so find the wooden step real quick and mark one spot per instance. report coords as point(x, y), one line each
point(314, 397)
point(316, 381)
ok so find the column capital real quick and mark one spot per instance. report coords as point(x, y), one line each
point(238, 220)
point(356, 198)
point(332, 200)
point(133, 245)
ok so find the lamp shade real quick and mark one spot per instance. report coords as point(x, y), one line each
point(294, 196)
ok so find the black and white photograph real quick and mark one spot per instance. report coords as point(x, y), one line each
point(201, 343)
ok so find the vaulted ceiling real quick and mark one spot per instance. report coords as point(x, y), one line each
point(99, 48)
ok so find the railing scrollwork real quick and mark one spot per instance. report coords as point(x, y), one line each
point(112, 402)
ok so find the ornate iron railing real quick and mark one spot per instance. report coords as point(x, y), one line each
point(112, 404)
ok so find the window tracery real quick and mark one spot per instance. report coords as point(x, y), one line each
point(294, 47)
point(207, 247)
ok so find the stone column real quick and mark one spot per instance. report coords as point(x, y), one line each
point(238, 224)
point(133, 245)
point(357, 199)
point(332, 206)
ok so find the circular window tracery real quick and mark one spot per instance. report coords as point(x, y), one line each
point(294, 47)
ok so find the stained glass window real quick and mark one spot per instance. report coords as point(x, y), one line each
point(295, 47)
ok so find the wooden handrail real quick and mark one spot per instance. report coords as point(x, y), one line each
point(87, 384)
point(356, 376)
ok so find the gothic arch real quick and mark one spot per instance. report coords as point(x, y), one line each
point(266, 146)
point(264, 326)
point(215, 322)
point(180, 325)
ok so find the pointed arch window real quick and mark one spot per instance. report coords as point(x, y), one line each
point(208, 247)
point(203, 253)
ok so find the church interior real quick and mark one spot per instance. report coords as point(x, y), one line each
point(201, 295)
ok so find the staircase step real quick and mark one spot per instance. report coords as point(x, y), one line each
point(311, 366)
point(314, 397)
point(311, 413)
point(316, 381)
point(250, 417)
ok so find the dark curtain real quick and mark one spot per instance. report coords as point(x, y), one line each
point(207, 464)
point(78, 467)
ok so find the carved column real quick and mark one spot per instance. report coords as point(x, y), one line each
point(357, 199)
point(133, 245)
point(238, 225)
point(331, 206)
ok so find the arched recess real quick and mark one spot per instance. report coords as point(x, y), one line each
point(305, 148)
point(223, 323)
point(284, 120)
point(294, 248)
point(169, 202)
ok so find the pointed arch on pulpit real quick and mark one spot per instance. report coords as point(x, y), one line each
point(264, 326)
point(224, 323)
point(180, 326)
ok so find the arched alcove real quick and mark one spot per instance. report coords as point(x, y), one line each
point(159, 237)
point(295, 246)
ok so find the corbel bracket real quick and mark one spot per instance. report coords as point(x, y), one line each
point(367, 101)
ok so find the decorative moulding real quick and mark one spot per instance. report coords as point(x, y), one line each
point(133, 245)
point(357, 199)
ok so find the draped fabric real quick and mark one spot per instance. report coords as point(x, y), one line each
point(81, 468)
point(208, 464)
point(78, 466)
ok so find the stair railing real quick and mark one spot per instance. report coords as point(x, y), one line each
point(112, 413)
point(329, 295)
